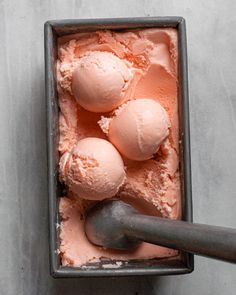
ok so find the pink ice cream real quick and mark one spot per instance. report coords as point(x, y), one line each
point(152, 185)
point(138, 129)
point(93, 170)
point(100, 81)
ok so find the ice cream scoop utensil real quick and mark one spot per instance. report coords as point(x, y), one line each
point(117, 225)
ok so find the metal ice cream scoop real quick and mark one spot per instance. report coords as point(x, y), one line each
point(117, 225)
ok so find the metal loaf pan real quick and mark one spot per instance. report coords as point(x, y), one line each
point(56, 28)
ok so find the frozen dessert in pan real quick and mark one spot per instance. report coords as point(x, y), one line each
point(119, 133)
point(138, 129)
point(94, 169)
point(100, 80)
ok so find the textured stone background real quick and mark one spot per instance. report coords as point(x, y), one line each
point(24, 266)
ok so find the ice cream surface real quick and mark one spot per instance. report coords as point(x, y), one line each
point(138, 129)
point(94, 169)
point(152, 186)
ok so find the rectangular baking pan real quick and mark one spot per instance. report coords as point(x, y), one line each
point(56, 28)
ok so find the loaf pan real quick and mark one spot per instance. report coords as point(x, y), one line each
point(56, 28)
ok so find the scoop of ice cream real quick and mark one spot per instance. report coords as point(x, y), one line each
point(100, 80)
point(139, 128)
point(94, 169)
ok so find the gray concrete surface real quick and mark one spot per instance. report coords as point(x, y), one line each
point(23, 192)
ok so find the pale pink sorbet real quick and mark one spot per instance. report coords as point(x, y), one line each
point(100, 81)
point(138, 129)
point(152, 186)
point(94, 169)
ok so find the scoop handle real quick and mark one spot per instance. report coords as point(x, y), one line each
point(206, 240)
